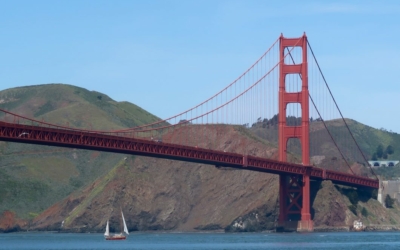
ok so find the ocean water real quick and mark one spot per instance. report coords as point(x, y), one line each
point(205, 241)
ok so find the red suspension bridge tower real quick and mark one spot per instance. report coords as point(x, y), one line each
point(294, 193)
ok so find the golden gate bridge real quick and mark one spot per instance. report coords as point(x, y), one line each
point(282, 93)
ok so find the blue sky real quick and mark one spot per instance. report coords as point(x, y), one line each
point(167, 56)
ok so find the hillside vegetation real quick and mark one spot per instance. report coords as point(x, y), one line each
point(32, 177)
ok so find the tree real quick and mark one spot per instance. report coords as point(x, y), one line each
point(364, 212)
point(353, 196)
point(389, 150)
point(374, 157)
point(379, 151)
point(384, 155)
point(353, 208)
point(389, 202)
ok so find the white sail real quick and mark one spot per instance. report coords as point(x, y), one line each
point(107, 233)
point(125, 228)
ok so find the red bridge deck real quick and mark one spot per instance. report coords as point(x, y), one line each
point(118, 144)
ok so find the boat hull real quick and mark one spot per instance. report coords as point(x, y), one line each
point(116, 237)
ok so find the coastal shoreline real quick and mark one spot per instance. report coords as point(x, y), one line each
point(370, 228)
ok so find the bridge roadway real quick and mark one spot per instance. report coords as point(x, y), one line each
point(82, 139)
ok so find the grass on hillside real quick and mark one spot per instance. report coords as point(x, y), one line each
point(388, 173)
point(52, 173)
point(59, 103)
point(17, 195)
point(56, 169)
point(249, 133)
point(96, 191)
point(49, 174)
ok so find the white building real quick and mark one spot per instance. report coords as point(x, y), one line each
point(387, 163)
point(358, 225)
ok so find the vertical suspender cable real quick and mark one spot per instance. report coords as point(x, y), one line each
point(339, 109)
point(325, 124)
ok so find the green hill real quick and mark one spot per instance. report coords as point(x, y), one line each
point(77, 107)
point(34, 177)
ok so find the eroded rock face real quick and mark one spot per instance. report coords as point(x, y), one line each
point(10, 223)
point(187, 198)
point(261, 219)
point(184, 197)
point(157, 194)
point(330, 209)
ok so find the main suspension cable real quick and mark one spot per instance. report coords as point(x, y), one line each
point(326, 127)
point(347, 126)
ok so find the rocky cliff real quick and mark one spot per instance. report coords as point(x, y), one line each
point(158, 194)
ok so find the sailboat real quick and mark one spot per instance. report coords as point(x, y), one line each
point(120, 236)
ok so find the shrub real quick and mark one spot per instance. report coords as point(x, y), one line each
point(374, 194)
point(364, 212)
point(353, 208)
point(389, 150)
point(353, 197)
point(389, 202)
point(379, 151)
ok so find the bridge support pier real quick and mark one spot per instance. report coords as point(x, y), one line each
point(306, 224)
point(294, 203)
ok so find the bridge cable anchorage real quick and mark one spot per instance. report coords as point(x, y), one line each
point(323, 121)
point(347, 126)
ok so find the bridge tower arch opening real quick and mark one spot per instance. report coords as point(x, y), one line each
point(294, 190)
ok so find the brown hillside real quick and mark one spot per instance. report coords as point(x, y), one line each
point(168, 195)
point(158, 194)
